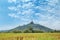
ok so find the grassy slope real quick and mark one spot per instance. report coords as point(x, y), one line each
point(30, 36)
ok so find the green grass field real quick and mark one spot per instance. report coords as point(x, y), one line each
point(29, 36)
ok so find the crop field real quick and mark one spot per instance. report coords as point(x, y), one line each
point(29, 36)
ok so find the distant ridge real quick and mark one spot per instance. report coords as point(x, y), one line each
point(34, 26)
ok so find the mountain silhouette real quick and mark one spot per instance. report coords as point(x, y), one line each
point(34, 26)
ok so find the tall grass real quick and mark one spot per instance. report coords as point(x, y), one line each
point(29, 36)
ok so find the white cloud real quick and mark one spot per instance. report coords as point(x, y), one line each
point(39, 7)
point(40, 15)
point(52, 2)
point(19, 12)
point(45, 17)
point(25, 0)
point(56, 24)
point(48, 20)
point(28, 5)
point(10, 1)
point(13, 15)
point(18, 6)
point(53, 23)
point(47, 9)
point(12, 8)
point(28, 12)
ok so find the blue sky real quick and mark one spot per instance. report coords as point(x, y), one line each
point(21, 12)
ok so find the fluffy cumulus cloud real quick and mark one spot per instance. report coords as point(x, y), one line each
point(45, 12)
point(13, 15)
point(10, 1)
